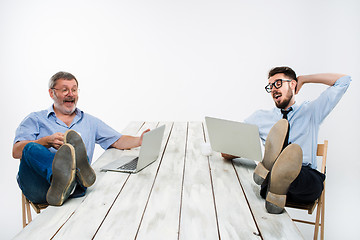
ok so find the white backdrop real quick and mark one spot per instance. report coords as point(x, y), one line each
point(181, 60)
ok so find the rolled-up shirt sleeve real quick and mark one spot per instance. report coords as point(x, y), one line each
point(28, 130)
point(328, 99)
point(106, 135)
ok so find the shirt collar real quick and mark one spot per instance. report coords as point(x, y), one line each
point(294, 107)
point(50, 111)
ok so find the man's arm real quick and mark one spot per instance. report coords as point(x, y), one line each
point(323, 78)
point(127, 142)
point(228, 156)
point(55, 141)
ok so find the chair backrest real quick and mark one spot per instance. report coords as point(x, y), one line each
point(322, 152)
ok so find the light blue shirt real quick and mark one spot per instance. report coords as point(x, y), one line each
point(304, 119)
point(44, 123)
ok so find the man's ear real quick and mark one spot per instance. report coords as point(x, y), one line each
point(293, 85)
point(51, 93)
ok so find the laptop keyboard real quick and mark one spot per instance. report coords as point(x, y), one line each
point(130, 165)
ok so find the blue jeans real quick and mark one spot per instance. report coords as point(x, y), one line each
point(35, 171)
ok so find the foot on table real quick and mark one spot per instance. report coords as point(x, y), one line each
point(84, 171)
point(63, 175)
point(273, 146)
point(285, 170)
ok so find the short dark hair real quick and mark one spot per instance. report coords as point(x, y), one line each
point(287, 71)
point(61, 75)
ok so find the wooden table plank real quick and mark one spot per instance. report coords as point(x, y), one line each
point(161, 218)
point(52, 218)
point(49, 221)
point(90, 214)
point(84, 223)
point(123, 220)
point(271, 226)
point(198, 218)
point(234, 217)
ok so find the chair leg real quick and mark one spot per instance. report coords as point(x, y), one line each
point(23, 210)
point(322, 231)
point(27, 218)
point(318, 213)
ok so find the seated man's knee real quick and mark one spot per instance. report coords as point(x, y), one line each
point(32, 149)
point(29, 147)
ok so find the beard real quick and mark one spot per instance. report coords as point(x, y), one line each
point(63, 109)
point(60, 105)
point(286, 101)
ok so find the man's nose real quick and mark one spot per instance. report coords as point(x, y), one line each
point(70, 93)
point(273, 89)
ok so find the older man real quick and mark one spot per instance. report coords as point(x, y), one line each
point(55, 160)
point(290, 133)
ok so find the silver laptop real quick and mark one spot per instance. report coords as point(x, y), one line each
point(149, 152)
point(234, 138)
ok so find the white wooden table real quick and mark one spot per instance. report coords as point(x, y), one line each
point(183, 195)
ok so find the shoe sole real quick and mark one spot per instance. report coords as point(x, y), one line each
point(84, 171)
point(273, 146)
point(285, 170)
point(63, 177)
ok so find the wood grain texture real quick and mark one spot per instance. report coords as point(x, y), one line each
point(161, 218)
point(234, 217)
point(123, 220)
point(198, 217)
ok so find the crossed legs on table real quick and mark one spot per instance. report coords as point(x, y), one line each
point(281, 174)
point(37, 171)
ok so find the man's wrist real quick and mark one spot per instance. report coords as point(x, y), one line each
point(43, 141)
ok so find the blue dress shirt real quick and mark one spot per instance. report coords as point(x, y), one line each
point(44, 123)
point(304, 119)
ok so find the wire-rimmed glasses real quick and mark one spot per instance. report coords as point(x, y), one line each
point(65, 91)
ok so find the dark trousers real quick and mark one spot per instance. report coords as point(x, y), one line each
point(306, 188)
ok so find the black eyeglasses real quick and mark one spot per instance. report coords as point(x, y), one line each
point(277, 84)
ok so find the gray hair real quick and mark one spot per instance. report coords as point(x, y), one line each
point(61, 75)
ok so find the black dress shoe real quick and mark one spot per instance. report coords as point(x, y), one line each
point(63, 176)
point(84, 171)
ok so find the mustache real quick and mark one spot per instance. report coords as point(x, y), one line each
point(276, 93)
point(69, 99)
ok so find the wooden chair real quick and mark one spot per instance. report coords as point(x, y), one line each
point(320, 202)
point(26, 211)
